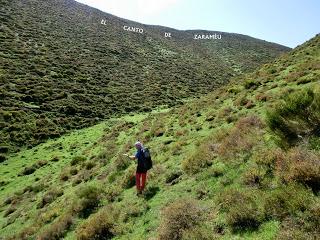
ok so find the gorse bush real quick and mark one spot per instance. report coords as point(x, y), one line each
point(77, 159)
point(241, 208)
point(303, 225)
point(253, 176)
point(121, 163)
point(49, 197)
point(89, 196)
point(99, 226)
point(300, 165)
point(89, 165)
point(58, 229)
point(172, 177)
point(129, 180)
point(200, 159)
point(296, 117)
point(2, 158)
point(31, 169)
point(287, 200)
point(112, 193)
point(202, 231)
point(241, 138)
point(251, 84)
point(314, 143)
point(178, 217)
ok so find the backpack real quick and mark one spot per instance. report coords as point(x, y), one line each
point(147, 159)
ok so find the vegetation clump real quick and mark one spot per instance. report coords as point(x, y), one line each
point(89, 199)
point(58, 229)
point(49, 197)
point(242, 210)
point(297, 117)
point(179, 217)
point(101, 225)
point(77, 160)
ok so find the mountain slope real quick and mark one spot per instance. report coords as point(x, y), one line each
point(62, 69)
point(222, 170)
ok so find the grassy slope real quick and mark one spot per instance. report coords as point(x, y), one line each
point(59, 62)
point(218, 129)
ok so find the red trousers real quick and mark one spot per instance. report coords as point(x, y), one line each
point(141, 180)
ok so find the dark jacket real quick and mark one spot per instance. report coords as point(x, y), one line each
point(141, 168)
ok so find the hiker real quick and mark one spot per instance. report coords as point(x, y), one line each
point(142, 168)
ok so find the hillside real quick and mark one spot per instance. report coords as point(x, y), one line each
point(62, 69)
point(240, 163)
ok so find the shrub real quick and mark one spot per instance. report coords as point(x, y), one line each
point(49, 197)
point(58, 229)
point(313, 217)
point(314, 143)
point(28, 170)
point(122, 163)
point(217, 170)
point(179, 217)
point(89, 165)
point(234, 90)
point(266, 158)
point(287, 200)
point(242, 100)
point(39, 187)
point(55, 159)
point(77, 159)
point(4, 149)
point(112, 193)
point(73, 171)
point(296, 117)
point(253, 176)
point(10, 210)
point(290, 229)
point(304, 225)
point(2, 158)
point(242, 211)
point(242, 137)
point(89, 196)
point(64, 176)
point(173, 177)
point(300, 165)
point(202, 232)
point(176, 148)
point(201, 158)
point(249, 104)
point(41, 163)
point(31, 169)
point(128, 179)
point(262, 97)
point(251, 84)
point(101, 225)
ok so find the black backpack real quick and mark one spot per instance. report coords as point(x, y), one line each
point(147, 158)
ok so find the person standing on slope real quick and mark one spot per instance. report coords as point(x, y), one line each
point(141, 173)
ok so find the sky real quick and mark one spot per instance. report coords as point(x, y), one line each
point(287, 22)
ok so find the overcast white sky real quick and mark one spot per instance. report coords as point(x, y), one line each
point(287, 22)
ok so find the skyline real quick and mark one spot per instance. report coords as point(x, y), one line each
point(289, 23)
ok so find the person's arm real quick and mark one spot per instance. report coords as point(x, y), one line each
point(131, 157)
